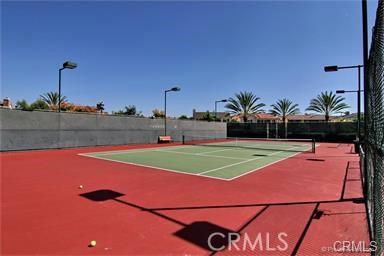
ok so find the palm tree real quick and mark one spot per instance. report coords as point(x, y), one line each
point(157, 113)
point(208, 117)
point(327, 103)
point(52, 99)
point(23, 105)
point(130, 110)
point(244, 104)
point(284, 108)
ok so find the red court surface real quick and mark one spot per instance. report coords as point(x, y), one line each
point(314, 199)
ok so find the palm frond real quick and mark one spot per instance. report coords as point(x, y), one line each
point(244, 104)
point(52, 98)
point(284, 107)
point(327, 103)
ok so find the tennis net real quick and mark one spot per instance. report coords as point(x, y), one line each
point(293, 145)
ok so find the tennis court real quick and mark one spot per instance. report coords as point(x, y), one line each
point(63, 200)
point(222, 158)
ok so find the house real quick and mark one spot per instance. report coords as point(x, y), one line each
point(258, 118)
point(349, 117)
point(6, 103)
point(308, 118)
point(266, 118)
point(270, 118)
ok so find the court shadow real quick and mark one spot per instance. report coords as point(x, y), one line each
point(259, 155)
point(358, 200)
point(101, 195)
point(202, 234)
point(315, 159)
point(342, 213)
point(199, 232)
point(318, 214)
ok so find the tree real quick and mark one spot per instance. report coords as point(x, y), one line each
point(327, 103)
point(183, 117)
point(100, 106)
point(52, 99)
point(22, 105)
point(157, 113)
point(71, 107)
point(39, 104)
point(129, 111)
point(208, 117)
point(284, 108)
point(244, 104)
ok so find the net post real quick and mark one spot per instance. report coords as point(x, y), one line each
point(313, 146)
point(183, 139)
point(276, 130)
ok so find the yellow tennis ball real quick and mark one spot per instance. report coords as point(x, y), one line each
point(92, 243)
point(81, 187)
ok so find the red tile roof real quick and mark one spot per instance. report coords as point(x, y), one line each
point(266, 116)
point(307, 117)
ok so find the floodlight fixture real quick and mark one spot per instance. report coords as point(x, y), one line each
point(66, 65)
point(173, 89)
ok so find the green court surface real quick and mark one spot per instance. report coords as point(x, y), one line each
point(221, 160)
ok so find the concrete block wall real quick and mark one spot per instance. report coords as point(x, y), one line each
point(23, 130)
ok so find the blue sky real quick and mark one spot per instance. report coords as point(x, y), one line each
point(129, 52)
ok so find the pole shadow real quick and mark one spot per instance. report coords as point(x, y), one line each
point(198, 232)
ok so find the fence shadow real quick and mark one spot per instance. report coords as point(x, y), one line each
point(198, 232)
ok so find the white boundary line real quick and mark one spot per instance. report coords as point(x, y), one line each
point(230, 165)
point(243, 162)
point(133, 150)
point(106, 153)
point(214, 151)
point(155, 149)
point(201, 174)
point(195, 154)
point(154, 167)
point(261, 167)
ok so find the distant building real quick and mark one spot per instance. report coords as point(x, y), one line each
point(308, 118)
point(266, 118)
point(348, 117)
point(6, 103)
point(258, 118)
point(270, 118)
point(222, 116)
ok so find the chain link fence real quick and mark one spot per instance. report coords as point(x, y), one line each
point(320, 131)
point(373, 149)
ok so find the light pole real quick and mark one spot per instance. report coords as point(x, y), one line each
point(217, 101)
point(358, 112)
point(69, 65)
point(174, 89)
point(336, 68)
